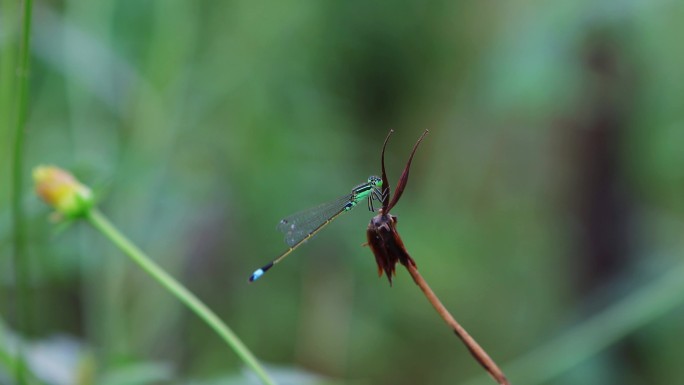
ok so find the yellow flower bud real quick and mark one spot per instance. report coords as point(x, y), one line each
point(61, 190)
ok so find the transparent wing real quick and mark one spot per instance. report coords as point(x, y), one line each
point(297, 226)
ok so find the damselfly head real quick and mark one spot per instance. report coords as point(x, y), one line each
point(375, 180)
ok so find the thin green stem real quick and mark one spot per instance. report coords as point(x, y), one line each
point(21, 263)
point(8, 54)
point(7, 59)
point(100, 222)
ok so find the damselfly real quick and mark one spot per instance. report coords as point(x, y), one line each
point(300, 227)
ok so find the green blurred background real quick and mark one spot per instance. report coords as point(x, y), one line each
point(551, 184)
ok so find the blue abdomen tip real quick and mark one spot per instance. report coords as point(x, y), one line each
point(256, 275)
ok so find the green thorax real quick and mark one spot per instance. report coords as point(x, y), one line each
point(369, 190)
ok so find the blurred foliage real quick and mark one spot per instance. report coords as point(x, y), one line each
point(550, 185)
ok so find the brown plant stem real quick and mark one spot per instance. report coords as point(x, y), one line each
point(475, 349)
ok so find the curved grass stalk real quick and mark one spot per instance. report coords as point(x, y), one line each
point(100, 222)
